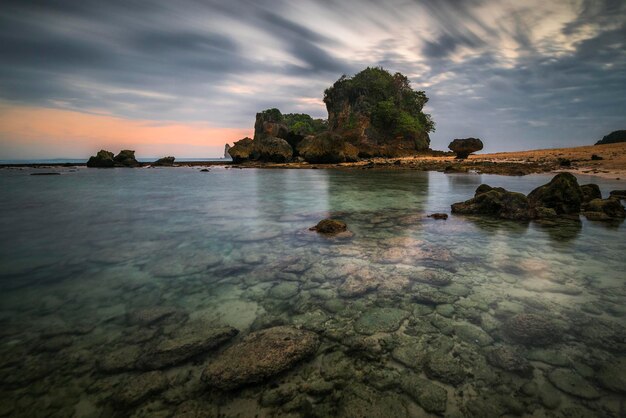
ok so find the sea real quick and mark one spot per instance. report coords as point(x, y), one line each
point(413, 316)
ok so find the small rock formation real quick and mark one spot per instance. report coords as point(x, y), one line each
point(618, 194)
point(258, 356)
point(329, 226)
point(604, 209)
point(327, 148)
point(532, 330)
point(443, 216)
point(273, 149)
point(496, 202)
point(509, 359)
point(465, 146)
point(563, 194)
point(137, 389)
point(590, 192)
point(105, 159)
point(226, 154)
point(164, 162)
point(46, 174)
point(613, 138)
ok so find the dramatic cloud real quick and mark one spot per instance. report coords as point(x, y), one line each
point(518, 74)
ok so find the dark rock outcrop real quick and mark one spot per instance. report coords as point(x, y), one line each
point(613, 138)
point(443, 216)
point(329, 226)
point(563, 194)
point(465, 146)
point(272, 149)
point(126, 158)
point(103, 159)
point(226, 154)
point(604, 209)
point(590, 192)
point(242, 150)
point(496, 202)
point(164, 162)
point(327, 148)
point(258, 356)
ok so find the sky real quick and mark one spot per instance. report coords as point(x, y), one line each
point(185, 77)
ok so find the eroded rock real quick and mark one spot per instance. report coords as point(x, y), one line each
point(464, 147)
point(532, 329)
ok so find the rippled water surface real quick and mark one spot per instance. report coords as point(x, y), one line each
point(413, 316)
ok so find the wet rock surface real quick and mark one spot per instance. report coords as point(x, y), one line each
point(570, 382)
point(329, 226)
point(380, 320)
point(259, 356)
point(495, 202)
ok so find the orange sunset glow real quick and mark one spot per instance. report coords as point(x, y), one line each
point(42, 132)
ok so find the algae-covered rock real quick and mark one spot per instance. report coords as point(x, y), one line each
point(329, 226)
point(464, 147)
point(604, 209)
point(590, 191)
point(428, 395)
point(532, 329)
point(618, 194)
point(495, 202)
point(150, 315)
point(562, 193)
point(380, 320)
point(186, 342)
point(272, 149)
point(260, 355)
point(472, 334)
point(570, 382)
point(444, 367)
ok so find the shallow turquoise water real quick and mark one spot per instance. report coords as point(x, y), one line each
point(81, 252)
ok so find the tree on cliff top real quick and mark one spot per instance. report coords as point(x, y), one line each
point(388, 100)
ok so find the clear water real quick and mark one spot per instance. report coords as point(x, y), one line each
point(81, 252)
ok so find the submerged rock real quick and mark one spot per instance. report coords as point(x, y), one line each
point(509, 359)
point(443, 216)
point(148, 316)
point(464, 147)
point(445, 368)
point(137, 389)
point(258, 356)
point(121, 359)
point(360, 401)
point(533, 330)
point(185, 343)
point(613, 375)
point(380, 320)
point(562, 193)
point(329, 226)
point(570, 382)
point(496, 202)
point(431, 397)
